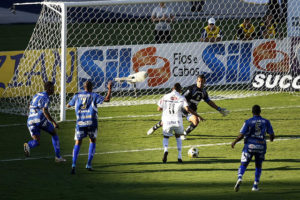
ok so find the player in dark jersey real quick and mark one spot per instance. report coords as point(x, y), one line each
point(254, 133)
point(194, 94)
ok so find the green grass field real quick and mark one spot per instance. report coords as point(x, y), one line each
point(128, 162)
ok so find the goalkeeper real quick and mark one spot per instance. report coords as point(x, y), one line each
point(194, 94)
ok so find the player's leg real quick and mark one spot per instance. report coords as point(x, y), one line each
point(154, 128)
point(259, 158)
point(194, 123)
point(166, 133)
point(178, 133)
point(48, 127)
point(80, 133)
point(35, 135)
point(93, 135)
point(245, 160)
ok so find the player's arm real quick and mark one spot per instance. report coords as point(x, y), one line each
point(108, 95)
point(193, 113)
point(238, 138)
point(223, 111)
point(48, 116)
point(159, 109)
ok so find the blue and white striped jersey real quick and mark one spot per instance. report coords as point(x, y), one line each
point(36, 116)
point(86, 108)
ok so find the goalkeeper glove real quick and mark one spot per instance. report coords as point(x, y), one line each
point(223, 111)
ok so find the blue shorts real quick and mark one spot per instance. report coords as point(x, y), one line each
point(247, 157)
point(82, 132)
point(45, 126)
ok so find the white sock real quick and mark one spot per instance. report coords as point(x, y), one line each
point(179, 146)
point(165, 144)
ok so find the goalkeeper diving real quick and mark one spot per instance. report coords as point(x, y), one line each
point(194, 94)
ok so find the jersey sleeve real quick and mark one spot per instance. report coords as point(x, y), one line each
point(99, 99)
point(269, 128)
point(43, 102)
point(244, 128)
point(160, 102)
point(185, 103)
point(206, 97)
point(73, 100)
point(187, 92)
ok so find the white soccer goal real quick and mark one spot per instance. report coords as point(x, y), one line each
point(113, 40)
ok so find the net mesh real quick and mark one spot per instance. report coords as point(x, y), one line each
point(243, 48)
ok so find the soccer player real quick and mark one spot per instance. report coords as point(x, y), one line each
point(211, 33)
point(87, 120)
point(40, 119)
point(254, 133)
point(172, 105)
point(194, 94)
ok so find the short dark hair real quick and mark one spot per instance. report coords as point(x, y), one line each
point(89, 85)
point(256, 110)
point(202, 76)
point(177, 87)
point(48, 85)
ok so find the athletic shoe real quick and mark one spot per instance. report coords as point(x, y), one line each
point(183, 137)
point(184, 133)
point(180, 160)
point(150, 131)
point(60, 159)
point(89, 167)
point(255, 188)
point(26, 150)
point(237, 185)
point(165, 157)
point(73, 170)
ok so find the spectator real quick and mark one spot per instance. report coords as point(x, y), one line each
point(163, 16)
point(211, 33)
point(268, 28)
point(246, 30)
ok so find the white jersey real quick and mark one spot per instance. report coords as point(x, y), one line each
point(172, 105)
point(159, 12)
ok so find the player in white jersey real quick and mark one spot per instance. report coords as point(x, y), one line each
point(172, 105)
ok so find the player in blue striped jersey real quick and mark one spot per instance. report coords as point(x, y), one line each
point(254, 133)
point(40, 119)
point(87, 120)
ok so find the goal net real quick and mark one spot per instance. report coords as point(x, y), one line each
point(243, 47)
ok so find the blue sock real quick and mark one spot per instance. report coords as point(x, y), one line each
point(91, 153)
point(241, 171)
point(55, 142)
point(33, 143)
point(257, 174)
point(75, 154)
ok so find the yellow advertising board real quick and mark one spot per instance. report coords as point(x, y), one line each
point(23, 73)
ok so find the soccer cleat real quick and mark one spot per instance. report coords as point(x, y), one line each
point(26, 150)
point(60, 159)
point(165, 157)
point(255, 188)
point(237, 185)
point(150, 131)
point(180, 160)
point(73, 170)
point(183, 137)
point(89, 168)
point(184, 133)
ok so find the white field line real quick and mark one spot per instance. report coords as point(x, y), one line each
point(138, 150)
point(155, 115)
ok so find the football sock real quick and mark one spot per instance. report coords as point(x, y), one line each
point(75, 154)
point(91, 153)
point(241, 171)
point(156, 126)
point(165, 144)
point(179, 146)
point(190, 128)
point(33, 143)
point(55, 142)
point(257, 174)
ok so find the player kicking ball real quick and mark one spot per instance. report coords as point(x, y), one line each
point(40, 119)
point(254, 133)
point(87, 120)
point(171, 106)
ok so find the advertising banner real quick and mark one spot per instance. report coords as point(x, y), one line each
point(24, 76)
point(230, 62)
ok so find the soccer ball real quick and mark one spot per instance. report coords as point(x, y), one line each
point(193, 152)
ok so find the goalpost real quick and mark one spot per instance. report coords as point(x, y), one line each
point(118, 40)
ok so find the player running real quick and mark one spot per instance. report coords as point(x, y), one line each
point(254, 133)
point(172, 105)
point(40, 119)
point(194, 94)
point(87, 120)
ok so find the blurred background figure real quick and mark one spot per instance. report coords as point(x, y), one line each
point(246, 30)
point(211, 33)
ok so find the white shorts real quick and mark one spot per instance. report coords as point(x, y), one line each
point(168, 131)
